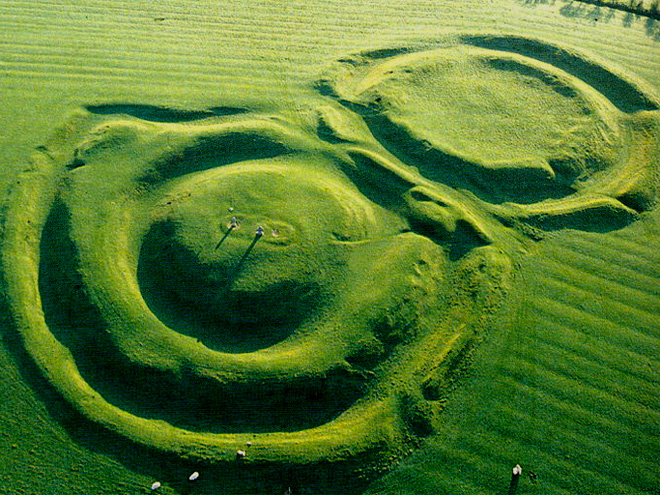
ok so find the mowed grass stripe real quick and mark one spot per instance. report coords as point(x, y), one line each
point(564, 437)
point(560, 434)
point(620, 244)
point(174, 68)
point(116, 87)
point(590, 280)
point(275, 21)
point(543, 455)
point(200, 61)
point(598, 304)
point(242, 65)
point(592, 372)
point(635, 369)
point(153, 60)
point(621, 254)
point(184, 60)
point(632, 271)
point(250, 27)
point(225, 28)
point(299, 10)
point(233, 83)
point(564, 387)
point(628, 338)
point(566, 422)
point(592, 347)
point(111, 73)
point(174, 36)
point(415, 11)
point(282, 20)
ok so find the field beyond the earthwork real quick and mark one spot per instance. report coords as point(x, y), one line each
point(330, 247)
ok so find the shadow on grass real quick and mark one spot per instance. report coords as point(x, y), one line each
point(229, 231)
point(163, 114)
point(246, 255)
point(513, 486)
point(603, 11)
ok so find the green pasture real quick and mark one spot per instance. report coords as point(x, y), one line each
point(313, 247)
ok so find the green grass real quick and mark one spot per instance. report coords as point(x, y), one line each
point(569, 392)
point(456, 273)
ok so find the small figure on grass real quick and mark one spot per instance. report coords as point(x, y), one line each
point(515, 478)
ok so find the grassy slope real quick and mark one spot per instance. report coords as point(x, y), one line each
point(570, 358)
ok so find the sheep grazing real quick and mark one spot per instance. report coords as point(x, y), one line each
point(240, 453)
point(193, 476)
point(155, 485)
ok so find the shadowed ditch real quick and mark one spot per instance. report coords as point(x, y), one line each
point(495, 186)
point(623, 94)
point(183, 398)
point(162, 114)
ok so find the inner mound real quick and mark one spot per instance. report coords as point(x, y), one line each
point(205, 272)
point(226, 303)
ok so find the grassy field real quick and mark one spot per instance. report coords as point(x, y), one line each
point(377, 247)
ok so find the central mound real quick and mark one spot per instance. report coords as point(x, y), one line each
point(205, 272)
